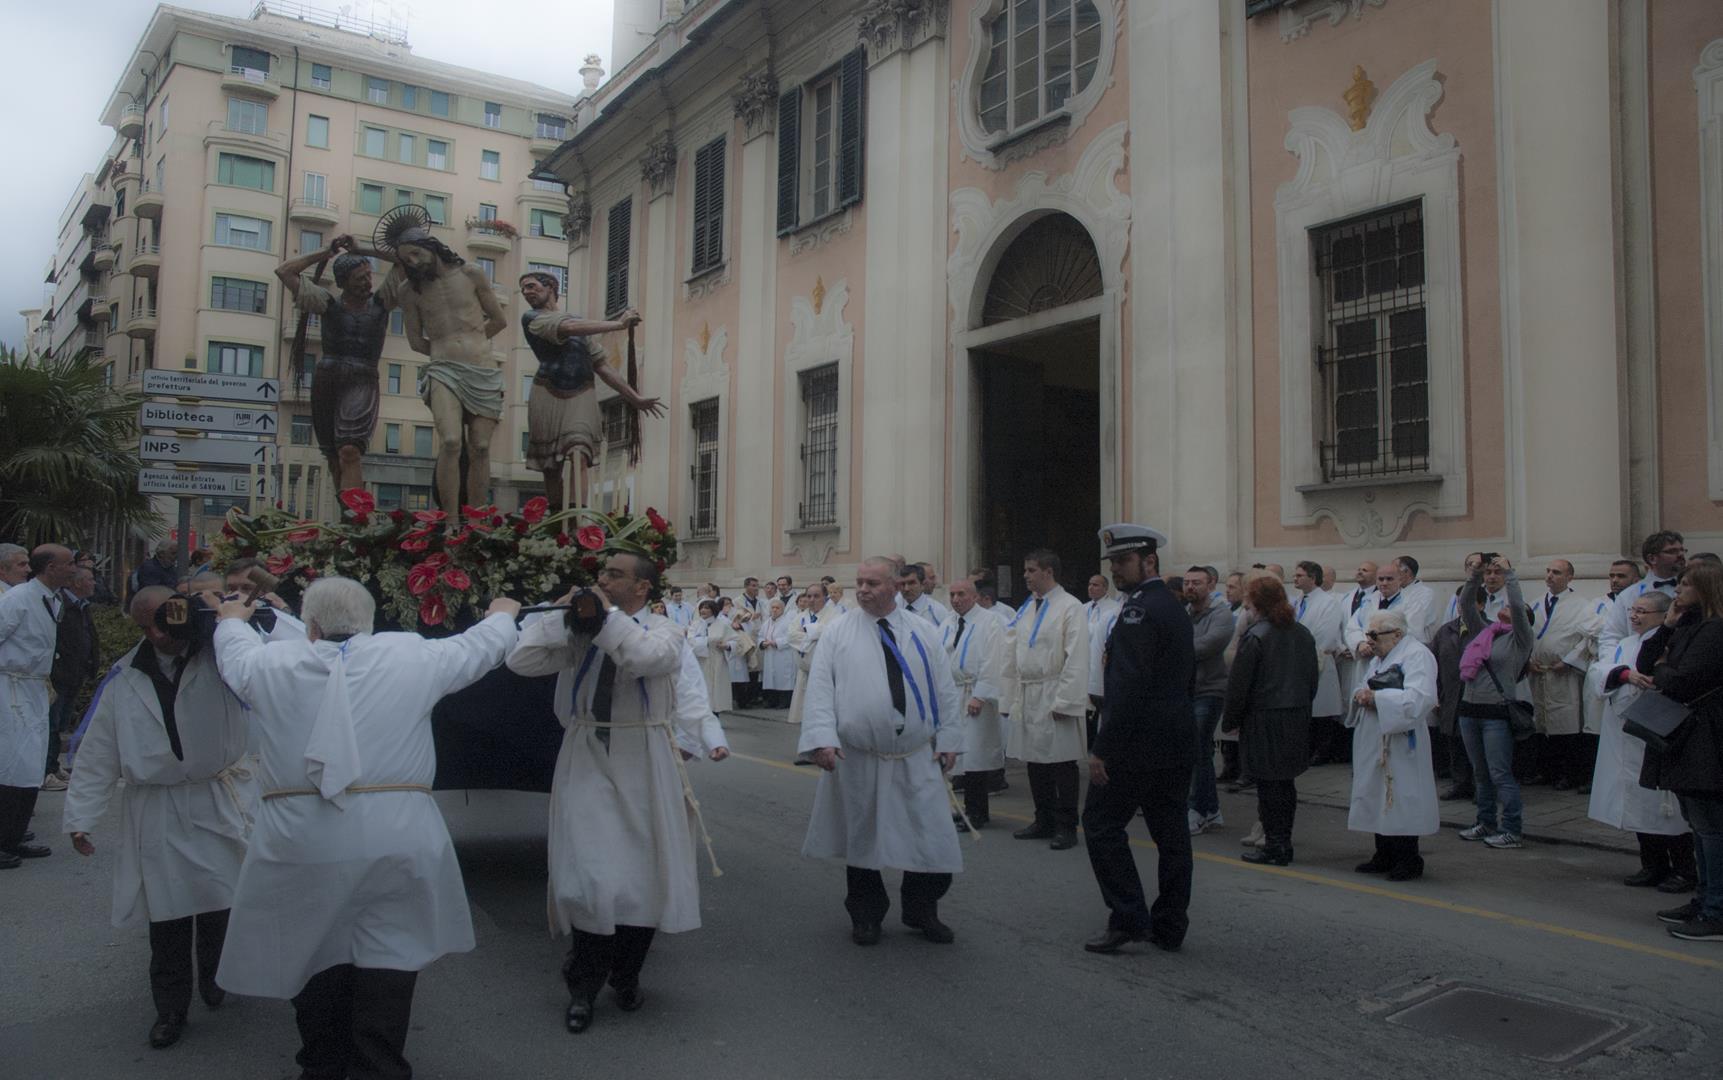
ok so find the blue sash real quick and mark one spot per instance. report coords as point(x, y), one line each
point(909, 677)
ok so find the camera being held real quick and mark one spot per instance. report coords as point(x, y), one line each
point(586, 611)
point(192, 618)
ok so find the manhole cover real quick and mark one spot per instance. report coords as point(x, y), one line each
point(1541, 1030)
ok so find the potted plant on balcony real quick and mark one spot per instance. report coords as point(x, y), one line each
point(493, 225)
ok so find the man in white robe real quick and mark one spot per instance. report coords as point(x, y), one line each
point(1393, 779)
point(804, 639)
point(1360, 597)
point(912, 586)
point(1622, 573)
point(1665, 555)
point(622, 857)
point(1319, 612)
point(983, 660)
point(706, 637)
point(14, 566)
point(1423, 611)
point(1051, 694)
point(350, 886)
point(29, 628)
point(1099, 612)
point(882, 721)
point(679, 610)
point(1561, 617)
point(165, 724)
point(777, 659)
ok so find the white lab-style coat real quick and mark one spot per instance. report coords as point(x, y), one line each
point(29, 624)
point(706, 637)
point(1100, 615)
point(338, 876)
point(927, 607)
point(1617, 799)
point(777, 660)
point(621, 834)
point(1585, 654)
point(804, 638)
point(887, 804)
point(1352, 626)
point(183, 823)
point(1393, 780)
point(681, 612)
point(1319, 612)
point(984, 665)
point(741, 650)
point(1557, 695)
point(1423, 611)
point(1052, 677)
point(1616, 624)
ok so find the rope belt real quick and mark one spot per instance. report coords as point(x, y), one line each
point(681, 773)
point(228, 778)
point(1033, 679)
point(352, 789)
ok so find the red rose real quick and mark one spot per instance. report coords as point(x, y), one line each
point(415, 546)
point(521, 527)
point(305, 535)
point(562, 539)
point(656, 520)
point(428, 517)
point(457, 579)
point(662, 566)
point(496, 519)
point(278, 565)
point(591, 537)
point(358, 500)
point(535, 509)
point(432, 610)
point(422, 578)
point(397, 516)
point(589, 563)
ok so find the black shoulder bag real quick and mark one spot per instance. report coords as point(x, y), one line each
point(1522, 720)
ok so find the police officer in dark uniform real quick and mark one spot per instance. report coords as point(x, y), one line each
point(1144, 754)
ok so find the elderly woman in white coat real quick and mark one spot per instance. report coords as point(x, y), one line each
point(1666, 857)
point(1393, 780)
point(706, 636)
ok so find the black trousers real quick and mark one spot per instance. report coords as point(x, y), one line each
point(867, 901)
point(171, 952)
point(975, 798)
point(617, 958)
point(1397, 851)
point(353, 1024)
point(1054, 789)
point(1161, 795)
point(16, 806)
point(1668, 854)
point(1277, 805)
point(1453, 748)
point(1330, 740)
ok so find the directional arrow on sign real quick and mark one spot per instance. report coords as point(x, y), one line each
point(205, 451)
point(211, 386)
point(180, 417)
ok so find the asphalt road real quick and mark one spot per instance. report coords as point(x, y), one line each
point(1286, 973)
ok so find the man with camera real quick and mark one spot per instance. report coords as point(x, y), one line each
point(164, 722)
point(622, 858)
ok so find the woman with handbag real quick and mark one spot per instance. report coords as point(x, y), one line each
point(1274, 679)
point(1686, 666)
point(1393, 780)
point(1493, 715)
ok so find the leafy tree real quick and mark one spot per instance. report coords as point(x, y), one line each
point(68, 451)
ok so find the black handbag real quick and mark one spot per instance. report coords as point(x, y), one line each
point(1656, 719)
point(1390, 678)
point(1522, 718)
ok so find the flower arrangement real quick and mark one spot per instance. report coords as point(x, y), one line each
point(430, 568)
point(494, 225)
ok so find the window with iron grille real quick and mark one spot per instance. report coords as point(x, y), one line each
point(615, 417)
point(617, 242)
point(1373, 355)
point(820, 446)
point(704, 471)
point(709, 206)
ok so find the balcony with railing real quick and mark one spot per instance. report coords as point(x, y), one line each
point(145, 261)
point(102, 257)
point(131, 123)
point(141, 323)
point(244, 136)
point(314, 210)
point(489, 234)
point(249, 80)
point(149, 200)
point(94, 342)
point(545, 193)
point(546, 138)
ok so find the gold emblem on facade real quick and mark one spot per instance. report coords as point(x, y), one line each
point(819, 295)
point(1359, 97)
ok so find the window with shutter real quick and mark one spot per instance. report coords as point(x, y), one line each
point(789, 160)
point(851, 129)
point(618, 225)
point(822, 127)
point(709, 206)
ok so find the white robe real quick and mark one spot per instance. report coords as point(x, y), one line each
point(1617, 799)
point(1422, 611)
point(694, 709)
point(183, 823)
point(741, 651)
point(1557, 694)
point(1393, 781)
point(1585, 654)
point(681, 612)
point(927, 608)
point(1052, 677)
point(804, 638)
point(777, 660)
point(1319, 612)
point(621, 838)
point(706, 637)
point(1346, 668)
point(984, 666)
point(1615, 624)
point(1100, 616)
point(29, 623)
point(372, 880)
point(886, 805)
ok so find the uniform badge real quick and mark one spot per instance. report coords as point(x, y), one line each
point(1107, 537)
point(1131, 616)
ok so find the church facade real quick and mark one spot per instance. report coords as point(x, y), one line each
point(1324, 279)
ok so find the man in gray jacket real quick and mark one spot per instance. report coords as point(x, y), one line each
point(1211, 626)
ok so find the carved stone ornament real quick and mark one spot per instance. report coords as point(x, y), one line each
point(821, 233)
point(756, 99)
point(1295, 18)
point(577, 223)
point(1359, 97)
point(707, 284)
point(887, 26)
point(658, 165)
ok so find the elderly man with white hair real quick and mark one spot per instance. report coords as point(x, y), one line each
point(350, 886)
point(1393, 781)
point(14, 566)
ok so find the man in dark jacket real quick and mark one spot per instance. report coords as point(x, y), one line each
point(159, 569)
point(1143, 755)
point(1449, 645)
point(74, 667)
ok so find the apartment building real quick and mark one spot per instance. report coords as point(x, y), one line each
point(244, 142)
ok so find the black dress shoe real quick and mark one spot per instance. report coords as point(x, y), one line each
point(579, 1016)
point(1456, 792)
point(933, 930)
point(1675, 884)
point(1164, 943)
point(1563, 784)
point(1246, 784)
point(865, 933)
point(1407, 871)
point(166, 1030)
point(1373, 866)
point(212, 996)
point(962, 826)
point(1036, 831)
point(1112, 940)
point(1269, 857)
point(1646, 878)
point(10, 862)
point(30, 851)
point(997, 784)
point(629, 998)
point(1064, 840)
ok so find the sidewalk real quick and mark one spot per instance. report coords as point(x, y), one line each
point(1551, 816)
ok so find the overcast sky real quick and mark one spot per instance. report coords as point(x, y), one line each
point(66, 57)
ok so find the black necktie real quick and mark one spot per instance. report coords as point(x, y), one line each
point(1655, 584)
point(959, 640)
point(1357, 601)
point(601, 698)
point(1549, 605)
point(893, 673)
point(1386, 600)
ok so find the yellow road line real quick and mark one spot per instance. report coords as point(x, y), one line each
point(1370, 890)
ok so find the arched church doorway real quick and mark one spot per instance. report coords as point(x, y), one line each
point(1039, 382)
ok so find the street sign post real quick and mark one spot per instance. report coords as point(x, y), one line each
point(212, 387)
point(181, 417)
point(175, 482)
point(205, 451)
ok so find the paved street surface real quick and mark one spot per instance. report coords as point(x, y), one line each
point(1311, 971)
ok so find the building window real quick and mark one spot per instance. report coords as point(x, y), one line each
point(392, 442)
point(820, 446)
point(488, 267)
point(389, 496)
point(704, 415)
point(299, 430)
point(436, 154)
point(550, 127)
point(252, 63)
point(317, 132)
point(422, 441)
point(525, 438)
point(162, 116)
point(490, 165)
point(397, 323)
point(241, 171)
point(437, 206)
point(321, 77)
point(407, 152)
point(316, 189)
point(708, 206)
point(376, 90)
point(234, 230)
point(247, 117)
point(820, 160)
point(618, 224)
point(525, 386)
point(493, 115)
point(614, 416)
point(228, 358)
point(237, 294)
point(394, 379)
point(403, 196)
point(559, 272)
point(409, 96)
point(1373, 354)
point(375, 142)
point(545, 223)
point(310, 240)
point(487, 211)
point(439, 103)
point(370, 198)
point(1040, 54)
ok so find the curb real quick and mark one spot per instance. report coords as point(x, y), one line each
point(1541, 838)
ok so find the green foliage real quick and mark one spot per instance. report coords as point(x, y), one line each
point(67, 451)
